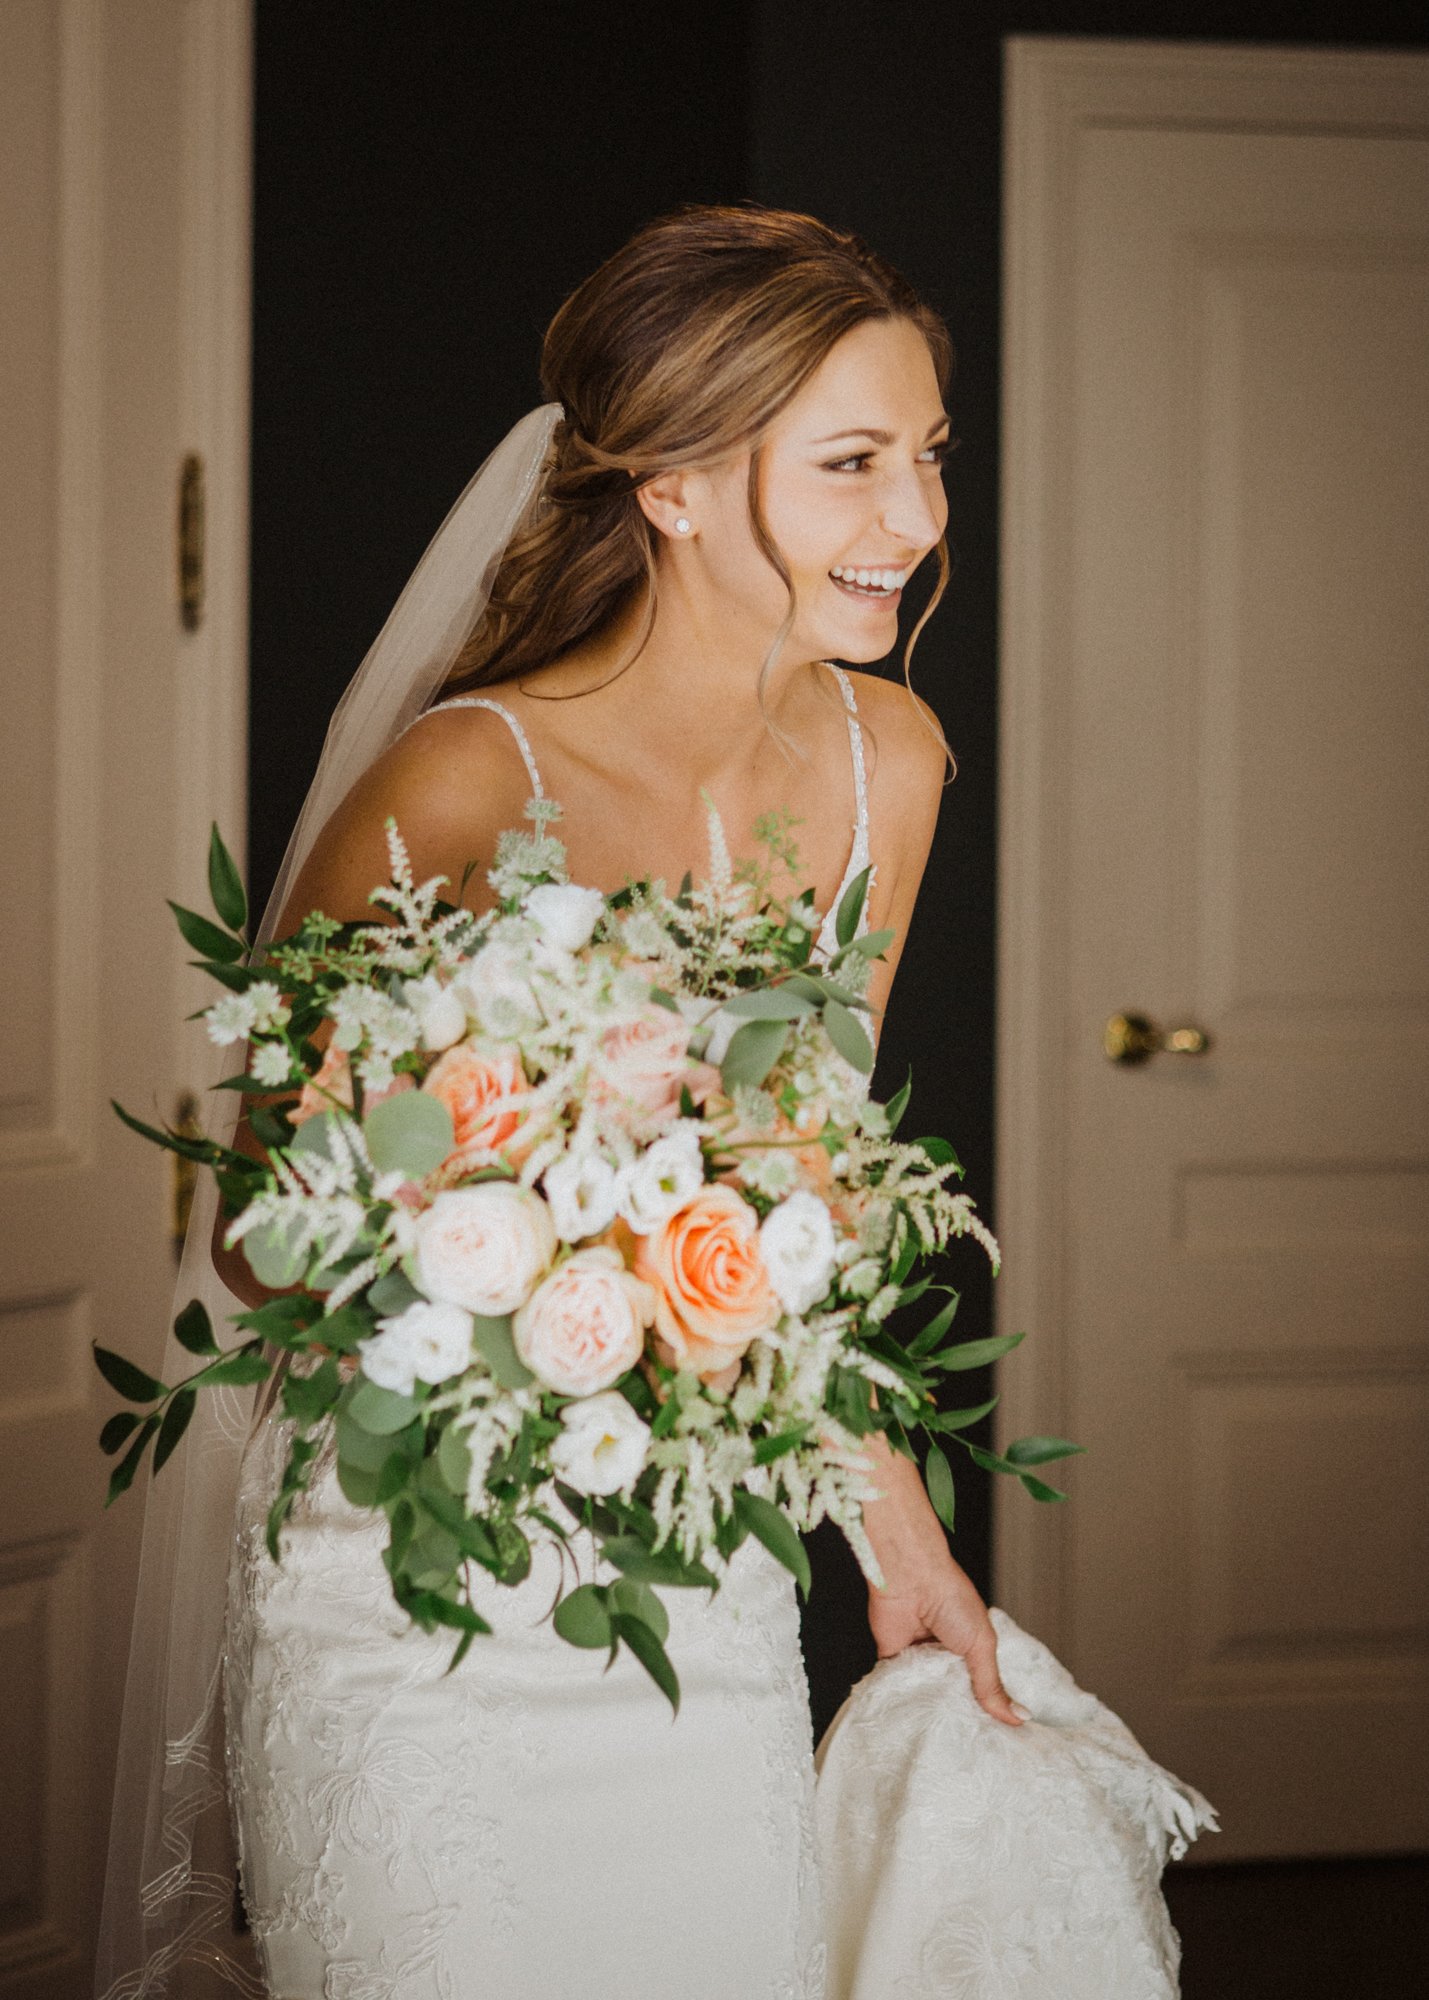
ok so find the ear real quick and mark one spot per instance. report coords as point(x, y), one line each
point(664, 500)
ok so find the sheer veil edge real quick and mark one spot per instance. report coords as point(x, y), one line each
point(170, 1883)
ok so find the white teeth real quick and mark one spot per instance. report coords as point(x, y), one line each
point(871, 579)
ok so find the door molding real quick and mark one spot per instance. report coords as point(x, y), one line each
point(1055, 89)
point(211, 663)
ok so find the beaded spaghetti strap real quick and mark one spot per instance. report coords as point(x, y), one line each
point(484, 701)
point(858, 858)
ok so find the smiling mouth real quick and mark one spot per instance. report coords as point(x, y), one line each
point(877, 586)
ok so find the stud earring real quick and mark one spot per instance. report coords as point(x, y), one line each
point(682, 526)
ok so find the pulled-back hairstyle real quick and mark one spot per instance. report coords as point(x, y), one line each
point(677, 352)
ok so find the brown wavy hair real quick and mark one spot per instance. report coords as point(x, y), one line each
point(677, 352)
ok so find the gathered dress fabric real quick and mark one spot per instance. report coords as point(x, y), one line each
point(534, 1824)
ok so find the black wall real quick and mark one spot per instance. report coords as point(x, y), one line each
point(432, 181)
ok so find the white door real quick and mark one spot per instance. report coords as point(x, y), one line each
point(123, 339)
point(1216, 734)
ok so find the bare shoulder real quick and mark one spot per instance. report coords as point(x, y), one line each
point(451, 783)
point(905, 756)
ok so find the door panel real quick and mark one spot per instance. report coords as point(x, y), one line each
point(106, 192)
point(1222, 534)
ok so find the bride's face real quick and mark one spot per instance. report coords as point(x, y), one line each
point(834, 499)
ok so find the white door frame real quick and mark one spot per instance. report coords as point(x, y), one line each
point(1055, 87)
point(211, 689)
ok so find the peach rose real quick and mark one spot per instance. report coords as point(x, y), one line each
point(712, 1292)
point(331, 1085)
point(486, 1092)
point(643, 1065)
point(584, 1326)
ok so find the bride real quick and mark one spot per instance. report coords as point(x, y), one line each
point(639, 600)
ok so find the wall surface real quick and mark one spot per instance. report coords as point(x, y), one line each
point(431, 183)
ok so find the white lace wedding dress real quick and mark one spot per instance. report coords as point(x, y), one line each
point(530, 1827)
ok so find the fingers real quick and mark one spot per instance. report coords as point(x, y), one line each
point(988, 1690)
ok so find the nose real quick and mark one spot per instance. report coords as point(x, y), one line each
point(913, 508)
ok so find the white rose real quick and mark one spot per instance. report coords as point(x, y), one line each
point(799, 1248)
point(429, 1341)
point(564, 913)
point(582, 1190)
point(484, 1247)
point(602, 1444)
point(585, 1325)
point(662, 1178)
point(495, 987)
point(440, 1011)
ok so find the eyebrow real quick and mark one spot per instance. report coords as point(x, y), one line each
point(882, 437)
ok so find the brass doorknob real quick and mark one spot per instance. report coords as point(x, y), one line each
point(1131, 1038)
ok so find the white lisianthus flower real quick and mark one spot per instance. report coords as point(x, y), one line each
point(495, 987)
point(583, 1192)
point(440, 1011)
point(229, 1019)
point(484, 1247)
point(799, 1248)
point(662, 1178)
point(584, 1326)
point(564, 914)
point(430, 1342)
point(271, 1064)
point(602, 1444)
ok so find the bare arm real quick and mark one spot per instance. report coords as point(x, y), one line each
point(451, 790)
point(926, 1596)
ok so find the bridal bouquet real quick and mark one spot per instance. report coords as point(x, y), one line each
point(578, 1214)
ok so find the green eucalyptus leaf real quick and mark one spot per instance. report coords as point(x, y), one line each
point(193, 1329)
point(225, 884)
point(1041, 1450)
point(494, 1342)
point(1039, 1489)
point(975, 1353)
point(932, 1333)
point(131, 1382)
point(122, 1477)
point(453, 1461)
point(176, 1422)
point(381, 1411)
point(409, 1134)
point(770, 1525)
point(201, 935)
point(631, 1556)
point(117, 1430)
point(273, 1256)
point(241, 1368)
point(638, 1600)
point(898, 1103)
point(846, 1033)
point(753, 1051)
point(961, 1420)
point(769, 1003)
point(650, 1653)
point(851, 907)
point(940, 1153)
point(582, 1618)
point(770, 1448)
point(392, 1293)
point(991, 1461)
point(318, 1134)
point(938, 1475)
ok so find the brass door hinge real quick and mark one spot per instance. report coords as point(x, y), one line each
point(190, 542)
point(183, 1173)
